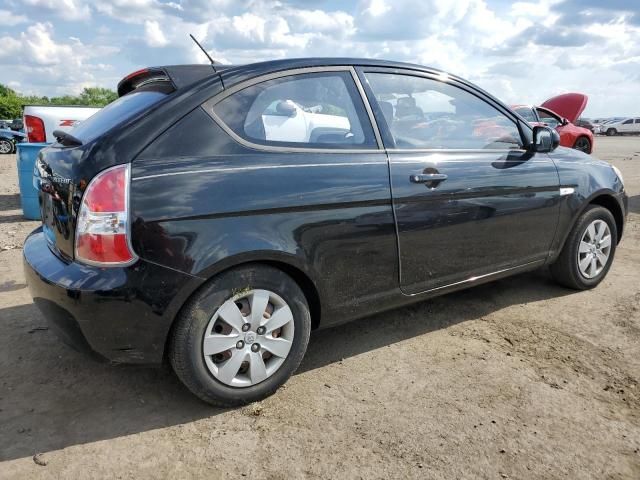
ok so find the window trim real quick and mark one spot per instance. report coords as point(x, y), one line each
point(445, 78)
point(212, 102)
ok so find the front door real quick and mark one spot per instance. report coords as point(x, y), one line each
point(626, 126)
point(468, 199)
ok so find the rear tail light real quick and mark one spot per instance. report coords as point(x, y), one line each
point(102, 231)
point(35, 129)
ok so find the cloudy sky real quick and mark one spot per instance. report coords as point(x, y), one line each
point(523, 52)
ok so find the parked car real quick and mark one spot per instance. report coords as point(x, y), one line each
point(5, 124)
point(599, 127)
point(560, 112)
point(9, 139)
point(584, 123)
point(215, 218)
point(621, 127)
point(42, 120)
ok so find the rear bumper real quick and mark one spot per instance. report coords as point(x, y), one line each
point(120, 314)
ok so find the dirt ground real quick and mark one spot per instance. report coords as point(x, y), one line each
point(515, 379)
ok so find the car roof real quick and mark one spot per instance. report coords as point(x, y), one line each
point(183, 75)
point(232, 74)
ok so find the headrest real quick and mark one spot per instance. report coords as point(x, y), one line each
point(407, 102)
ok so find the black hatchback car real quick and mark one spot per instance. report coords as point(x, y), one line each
point(214, 217)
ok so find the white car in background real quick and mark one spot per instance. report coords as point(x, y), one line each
point(40, 121)
point(289, 121)
point(628, 125)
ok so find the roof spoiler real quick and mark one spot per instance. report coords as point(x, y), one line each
point(177, 76)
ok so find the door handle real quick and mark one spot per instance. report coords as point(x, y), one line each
point(432, 178)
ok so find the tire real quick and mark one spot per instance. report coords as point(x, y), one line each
point(186, 345)
point(6, 146)
point(611, 132)
point(566, 270)
point(583, 144)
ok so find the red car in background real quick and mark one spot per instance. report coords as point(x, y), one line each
point(560, 113)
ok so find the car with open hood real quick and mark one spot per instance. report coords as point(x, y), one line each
point(561, 112)
point(213, 216)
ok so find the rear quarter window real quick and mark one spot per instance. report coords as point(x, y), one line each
point(115, 113)
point(309, 110)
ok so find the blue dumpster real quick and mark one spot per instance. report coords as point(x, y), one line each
point(26, 160)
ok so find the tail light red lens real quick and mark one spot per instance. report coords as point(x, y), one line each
point(35, 129)
point(102, 230)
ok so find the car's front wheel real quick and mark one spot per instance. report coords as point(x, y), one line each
point(242, 336)
point(588, 251)
point(6, 146)
point(611, 132)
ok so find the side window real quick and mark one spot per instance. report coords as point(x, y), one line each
point(427, 113)
point(315, 110)
point(527, 113)
point(637, 120)
point(551, 120)
point(627, 122)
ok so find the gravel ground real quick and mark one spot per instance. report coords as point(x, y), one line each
point(515, 379)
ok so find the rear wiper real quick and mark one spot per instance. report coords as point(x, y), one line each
point(66, 139)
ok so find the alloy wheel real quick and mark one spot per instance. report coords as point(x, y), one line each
point(248, 338)
point(5, 147)
point(595, 249)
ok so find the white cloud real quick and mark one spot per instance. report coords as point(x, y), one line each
point(153, 34)
point(130, 11)
point(376, 8)
point(10, 19)
point(524, 51)
point(66, 9)
point(318, 21)
point(40, 64)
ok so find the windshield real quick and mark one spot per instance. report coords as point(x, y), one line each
point(115, 113)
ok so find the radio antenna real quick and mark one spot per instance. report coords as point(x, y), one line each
point(209, 57)
point(203, 50)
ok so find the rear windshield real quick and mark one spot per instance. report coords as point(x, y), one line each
point(115, 113)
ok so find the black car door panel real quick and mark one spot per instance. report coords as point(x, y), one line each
point(468, 199)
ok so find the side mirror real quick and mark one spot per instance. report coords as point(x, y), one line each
point(545, 139)
point(565, 121)
point(286, 108)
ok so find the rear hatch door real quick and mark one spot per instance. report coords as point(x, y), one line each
point(64, 169)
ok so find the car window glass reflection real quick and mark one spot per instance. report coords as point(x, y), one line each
point(547, 118)
point(426, 113)
point(308, 110)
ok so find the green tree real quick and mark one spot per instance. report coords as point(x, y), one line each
point(97, 97)
point(6, 91)
point(10, 107)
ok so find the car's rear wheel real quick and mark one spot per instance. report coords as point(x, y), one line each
point(6, 146)
point(242, 336)
point(611, 132)
point(583, 144)
point(588, 251)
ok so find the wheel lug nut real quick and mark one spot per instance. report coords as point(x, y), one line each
point(240, 345)
point(261, 330)
point(246, 327)
point(255, 347)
